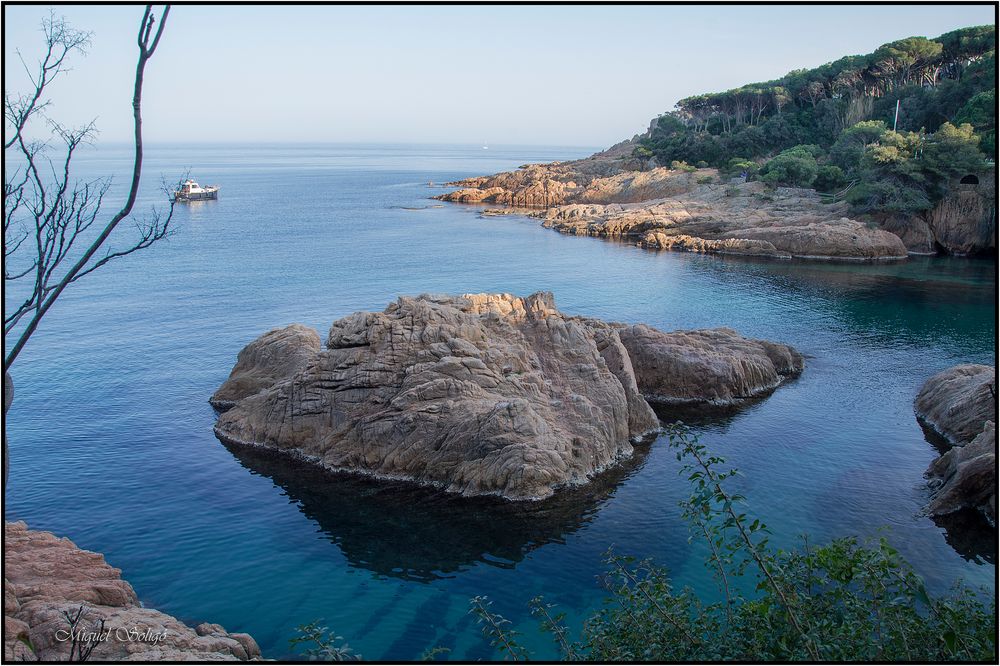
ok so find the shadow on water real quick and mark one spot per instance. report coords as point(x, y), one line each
point(970, 535)
point(421, 534)
point(718, 417)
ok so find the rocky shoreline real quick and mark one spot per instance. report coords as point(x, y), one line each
point(481, 394)
point(959, 405)
point(55, 591)
point(612, 196)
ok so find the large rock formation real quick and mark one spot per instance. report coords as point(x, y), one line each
point(478, 394)
point(46, 577)
point(662, 208)
point(739, 218)
point(960, 405)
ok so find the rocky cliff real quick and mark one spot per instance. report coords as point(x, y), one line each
point(962, 223)
point(669, 209)
point(54, 591)
point(482, 393)
point(960, 405)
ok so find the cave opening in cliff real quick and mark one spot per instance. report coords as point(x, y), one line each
point(971, 179)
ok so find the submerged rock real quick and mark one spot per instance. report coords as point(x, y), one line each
point(960, 405)
point(45, 576)
point(479, 394)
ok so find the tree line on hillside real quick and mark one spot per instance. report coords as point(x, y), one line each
point(829, 126)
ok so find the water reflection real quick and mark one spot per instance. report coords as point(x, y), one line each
point(926, 298)
point(421, 534)
point(971, 536)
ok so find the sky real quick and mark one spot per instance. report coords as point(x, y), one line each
point(507, 75)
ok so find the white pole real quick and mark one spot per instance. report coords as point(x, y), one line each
point(896, 120)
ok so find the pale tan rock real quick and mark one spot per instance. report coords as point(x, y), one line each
point(660, 208)
point(492, 393)
point(274, 356)
point(716, 366)
point(958, 401)
point(45, 577)
point(659, 240)
point(966, 477)
point(480, 394)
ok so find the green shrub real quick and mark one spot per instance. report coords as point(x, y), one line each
point(321, 644)
point(742, 165)
point(677, 165)
point(795, 167)
point(829, 178)
point(844, 601)
point(704, 180)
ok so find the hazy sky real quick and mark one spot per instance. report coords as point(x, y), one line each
point(555, 75)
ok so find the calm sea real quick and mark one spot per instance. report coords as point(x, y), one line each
point(111, 432)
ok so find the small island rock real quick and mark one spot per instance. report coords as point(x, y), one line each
point(481, 393)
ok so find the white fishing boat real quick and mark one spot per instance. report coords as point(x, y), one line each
point(192, 191)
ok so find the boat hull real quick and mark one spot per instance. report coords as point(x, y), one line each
point(196, 196)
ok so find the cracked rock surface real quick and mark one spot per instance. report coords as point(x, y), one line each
point(481, 393)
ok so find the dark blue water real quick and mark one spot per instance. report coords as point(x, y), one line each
point(111, 433)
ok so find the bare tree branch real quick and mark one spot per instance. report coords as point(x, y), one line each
point(59, 211)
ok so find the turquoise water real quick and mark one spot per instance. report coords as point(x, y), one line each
point(111, 432)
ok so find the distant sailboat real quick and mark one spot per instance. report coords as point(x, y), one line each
point(485, 146)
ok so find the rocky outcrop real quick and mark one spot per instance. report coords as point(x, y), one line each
point(274, 356)
point(742, 218)
point(965, 477)
point(957, 402)
point(715, 366)
point(960, 405)
point(964, 221)
point(46, 577)
point(482, 394)
point(658, 240)
point(667, 209)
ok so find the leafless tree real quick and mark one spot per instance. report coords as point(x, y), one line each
point(48, 240)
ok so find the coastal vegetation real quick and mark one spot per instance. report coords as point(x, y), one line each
point(900, 122)
point(848, 600)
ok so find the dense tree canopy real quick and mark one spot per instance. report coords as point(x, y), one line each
point(843, 112)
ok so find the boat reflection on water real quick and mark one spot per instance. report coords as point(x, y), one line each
point(417, 533)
